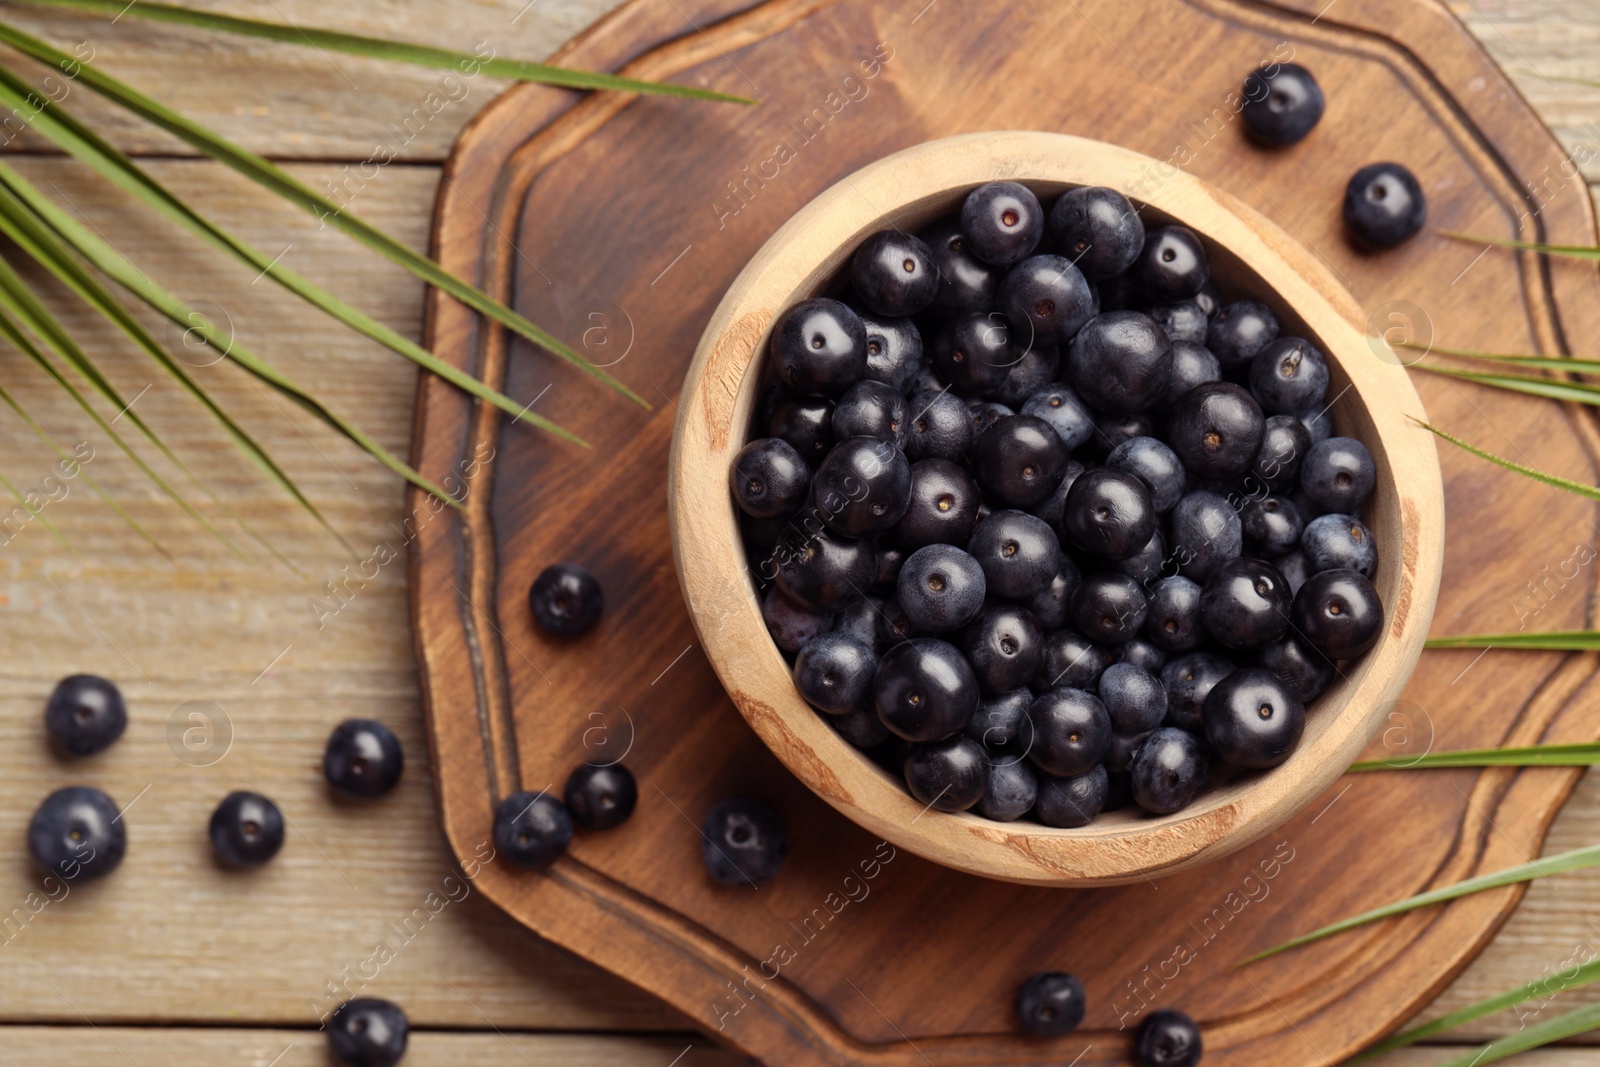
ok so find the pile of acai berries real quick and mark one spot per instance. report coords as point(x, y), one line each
point(1047, 524)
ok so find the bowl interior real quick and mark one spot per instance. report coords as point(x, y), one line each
point(1369, 396)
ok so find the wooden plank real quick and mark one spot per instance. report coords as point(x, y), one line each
point(115, 1046)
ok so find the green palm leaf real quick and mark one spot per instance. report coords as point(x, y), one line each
point(1574, 251)
point(1556, 363)
point(1549, 388)
point(1526, 640)
point(398, 51)
point(37, 513)
point(1537, 475)
point(118, 268)
point(1573, 1023)
point(275, 179)
point(1581, 754)
point(83, 144)
point(1560, 863)
point(1582, 975)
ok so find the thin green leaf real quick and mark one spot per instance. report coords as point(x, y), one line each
point(16, 298)
point(1582, 975)
point(1575, 1022)
point(86, 146)
point(1556, 363)
point(1537, 475)
point(397, 51)
point(1575, 251)
point(1526, 640)
point(34, 236)
point(1549, 388)
point(1585, 754)
point(1574, 860)
point(37, 513)
point(275, 179)
point(119, 269)
point(94, 486)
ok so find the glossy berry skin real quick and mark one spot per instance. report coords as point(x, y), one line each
point(925, 690)
point(1097, 229)
point(1339, 474)
point(973, 352)
point(1183, 321)
point(1306, 672)
point(1338, 614)
point(1072, 801)
point(1156, 465)
point(1071, 731)
point(600, 798)
point(75, 833)
point(1052, 605)
point(743, 841)
point(1046, 300)
point(566, 600)
point(1109, 607)
point(1284, 444)
point(1012, 789)
point(860, 620)
point(943, 507)
point(1172, 266)
point(1338, 542)
point(1019, 461)
point(790, 624)
point(1216, 430)
point(862, 487)
point(1071, 661)
point(532, 830)
point(1272, 525)
point(939, 427)
point(940, 588)
point(1318, 423)
point(1133, 698)
point(1384, 206)
point(984, 414)
point(246, 830)
point(85, 714)
point(1167, 1038)
point(1005, 647)
point(1192, 365)
point(1167, 771)
point(807, 424)
point(1188, 680)
point(1002, 222)
point(894, 351)
point(368, 1032)
point(871, 409)
point(363, 758)
point(1253, 719)
point(966, 283)
point(893, 274)
point(1140, 653)
point(1173, 620)
point(1001, 723)
point(1018, 552)
point(1289, 375)
point(893, 625)
point(1112, 430)
point(819, 347)
point(1294, 568)
point(1146, 565)
point(862, 728)
point(1119, 757)
point(948, 775)
point(1050, 1004)
point(1036, 367)
point(1120, 362)
point(1245, 604)
point(834, 672)
point(1205, 531)
point(1108, 514)
point(1239, 331)
point(823, 571)
point(769, 480)
point(1067, 415)
point(1282, 103)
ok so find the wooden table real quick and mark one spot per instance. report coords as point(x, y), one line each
point(176, 962)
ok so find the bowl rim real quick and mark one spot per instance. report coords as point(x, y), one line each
point(909, 187)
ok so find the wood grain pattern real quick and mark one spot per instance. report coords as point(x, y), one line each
point(204, 629)
point(630, 900)
point(908, 190)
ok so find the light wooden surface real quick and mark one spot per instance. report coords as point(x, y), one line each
point(172, 941)
point(909, 190)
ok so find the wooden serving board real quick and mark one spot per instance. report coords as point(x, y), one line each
point(620, 222)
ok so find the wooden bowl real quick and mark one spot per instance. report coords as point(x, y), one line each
point(1249, 255)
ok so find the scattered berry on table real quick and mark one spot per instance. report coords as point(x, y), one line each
point(368, 1032)
point(1384, 206)
point(76, 832)
point(600, 797)
point(743, 841)
point(363, 758)
point(85, 714)
point(1167, 1038)
point(532, 830)
point(246, 830)
point(1050, 1004)
point(566, 599)
point(1282, 103)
